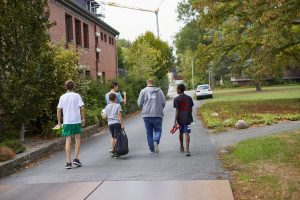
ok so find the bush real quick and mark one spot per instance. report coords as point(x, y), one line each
point(15, 145)
point(6, 153)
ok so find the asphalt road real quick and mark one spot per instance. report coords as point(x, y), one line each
point(170, 164)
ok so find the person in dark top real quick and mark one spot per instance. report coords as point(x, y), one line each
point(184, 107)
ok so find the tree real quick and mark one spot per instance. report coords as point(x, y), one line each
point(186, 42)
point(30, 69)
point(257, 37)
point(150, 57)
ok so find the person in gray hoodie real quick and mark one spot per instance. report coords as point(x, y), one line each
point(152, 102)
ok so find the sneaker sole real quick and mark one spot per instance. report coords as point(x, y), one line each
point(68, 167)
point(77, 164)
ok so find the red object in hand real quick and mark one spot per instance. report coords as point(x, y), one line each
point(174, 129)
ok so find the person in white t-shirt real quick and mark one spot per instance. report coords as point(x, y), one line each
point(72, 107)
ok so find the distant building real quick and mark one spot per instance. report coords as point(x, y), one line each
point(76, 23)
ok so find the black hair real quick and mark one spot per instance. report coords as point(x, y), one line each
point(113, 84)
point(181, 88)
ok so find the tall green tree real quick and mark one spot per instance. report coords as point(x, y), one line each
point(30, 69)
point(257, 37)
point(150, 57)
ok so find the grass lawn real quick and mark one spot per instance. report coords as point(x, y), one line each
point(249, 93)
point(265, 168)
point(267, 107)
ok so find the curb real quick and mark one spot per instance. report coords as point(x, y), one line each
point(9, 167)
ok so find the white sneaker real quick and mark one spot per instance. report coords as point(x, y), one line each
point(156, 149)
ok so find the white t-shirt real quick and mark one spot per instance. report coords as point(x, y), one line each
point(70, 104)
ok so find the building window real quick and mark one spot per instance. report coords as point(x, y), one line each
point(97, 56)
point(78, 32)
point(112, 41)
point(85, 35)
point(101, 36)
point(96, 42)
point(109, 40)
point(105, 39)
point(69, 28)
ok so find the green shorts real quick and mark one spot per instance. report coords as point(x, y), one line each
point(71, 129)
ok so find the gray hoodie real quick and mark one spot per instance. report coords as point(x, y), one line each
point(152, 102)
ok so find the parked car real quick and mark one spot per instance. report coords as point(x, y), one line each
point(203, 91)
point(177, 82)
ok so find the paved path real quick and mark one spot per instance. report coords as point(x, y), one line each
point(164, 172)
point(138, 164)
point(125, 190)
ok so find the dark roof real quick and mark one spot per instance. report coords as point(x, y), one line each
point(84, 12)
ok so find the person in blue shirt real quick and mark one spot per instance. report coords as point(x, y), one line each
point(114, 89)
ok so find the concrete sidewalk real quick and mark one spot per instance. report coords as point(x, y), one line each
point(125, 190)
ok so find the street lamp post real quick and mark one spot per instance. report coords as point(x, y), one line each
point(193, 73)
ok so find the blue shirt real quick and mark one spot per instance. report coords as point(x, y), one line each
point(119, 98)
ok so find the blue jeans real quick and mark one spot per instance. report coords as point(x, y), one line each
point(153, 125)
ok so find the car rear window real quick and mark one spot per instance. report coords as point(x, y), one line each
point(203, 87)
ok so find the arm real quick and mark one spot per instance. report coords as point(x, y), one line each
point(163, 99)
point(124, 100)
point(141, 100)
point(58, 116)
point(82, 110)
point(120, 119)
point(176, 115)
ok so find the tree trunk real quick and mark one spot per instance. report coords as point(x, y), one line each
point(22, 133)
point(258, 86)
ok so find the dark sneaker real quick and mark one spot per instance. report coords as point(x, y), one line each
point(68, 166)
point(181, 149)
point(77, 162)
point(156, 149)
point(115, 155)
point(187, 153)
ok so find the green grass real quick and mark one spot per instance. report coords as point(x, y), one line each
point(267, 167)
point(254, 112)
point(266, 107)
point(268, 92)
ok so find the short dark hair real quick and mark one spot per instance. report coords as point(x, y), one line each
point(112, 96)
point(181, 88)
point(69, 85)
point(113, 84)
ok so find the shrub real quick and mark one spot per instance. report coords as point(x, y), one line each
point(6, 153)
point(15, 145)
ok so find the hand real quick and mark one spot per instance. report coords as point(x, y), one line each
point(82, 122)
point(122, 126)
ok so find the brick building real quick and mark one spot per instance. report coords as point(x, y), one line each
point(76, 23)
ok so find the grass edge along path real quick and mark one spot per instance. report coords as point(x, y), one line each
point(265, 168)
point(224, 114)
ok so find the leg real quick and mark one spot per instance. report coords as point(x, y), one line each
point(149, 130)
point(157, 124)
point(112, 142)
point(187, 141)
point(181, 142)
point(68, 148)
point(77, 145)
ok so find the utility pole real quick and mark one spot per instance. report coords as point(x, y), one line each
point(193, 73)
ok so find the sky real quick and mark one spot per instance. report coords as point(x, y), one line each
point(132, 23)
